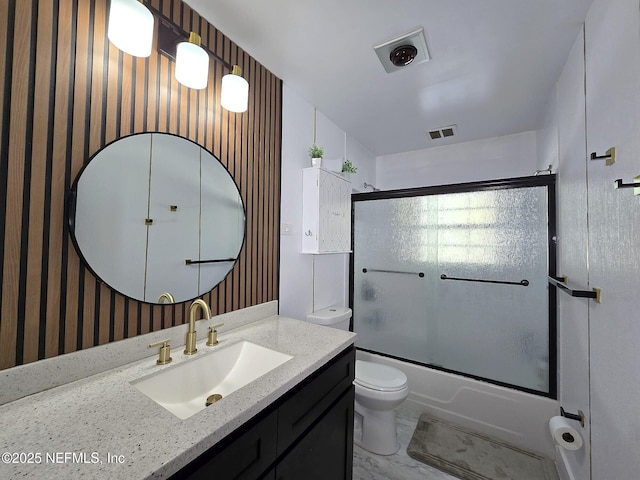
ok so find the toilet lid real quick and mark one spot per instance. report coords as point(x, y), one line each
point(379, 377)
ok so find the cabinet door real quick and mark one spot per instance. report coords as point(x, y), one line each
point(326, 451)
point(334, 229)
point(326, 212)
point(308, 403)
point(244, 455)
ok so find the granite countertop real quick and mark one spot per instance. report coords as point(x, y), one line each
point(102, 427)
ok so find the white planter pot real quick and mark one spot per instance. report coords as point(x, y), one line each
point(316, 162)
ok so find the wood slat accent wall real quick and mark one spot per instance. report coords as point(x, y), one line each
point(65, 93)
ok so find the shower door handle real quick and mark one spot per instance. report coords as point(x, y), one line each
point(420, 274)
point(523, 283)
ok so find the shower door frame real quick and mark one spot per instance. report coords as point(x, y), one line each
point(548, 181)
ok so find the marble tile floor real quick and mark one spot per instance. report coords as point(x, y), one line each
point(400, 466)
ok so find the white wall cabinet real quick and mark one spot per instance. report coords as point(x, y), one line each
point(326, 212)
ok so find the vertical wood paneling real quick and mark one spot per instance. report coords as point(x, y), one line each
point(69, 314)
point(38, 206)
point(270, 214)
point(152, 89)
point(253, 171)
point(50, 264)
point(106, 321)
point(88, 95)
point(15, 181)
point(230, 118)
point(25, 308)
point(277, 148)
point(56, 299)
point(7, 12)
point(244, 190)
point(268, 256)
point(79, 280)
point(261, 227)
point(4, 41)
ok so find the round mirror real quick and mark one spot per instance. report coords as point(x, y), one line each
point(153, 214)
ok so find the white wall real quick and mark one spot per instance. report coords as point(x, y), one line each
point(312, 282)
point(295, 294)
point(598, 236)
point(612, 61)
point(547, 135)
point(365, 162)
point(489, 159)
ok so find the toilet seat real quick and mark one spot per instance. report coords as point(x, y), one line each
point(379, 377)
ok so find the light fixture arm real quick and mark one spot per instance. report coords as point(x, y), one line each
point(180, 34)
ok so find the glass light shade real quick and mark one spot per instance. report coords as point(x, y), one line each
point(235, 91)
point(131, 27)
point(192, 63)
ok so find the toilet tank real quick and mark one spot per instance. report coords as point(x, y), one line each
point(334, 317)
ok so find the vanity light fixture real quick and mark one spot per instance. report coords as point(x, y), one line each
point(191, 57)
point(234, 95)
point(192, 63)
point(131, 27)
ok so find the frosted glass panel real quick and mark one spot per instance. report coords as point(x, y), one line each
point(402, 306)
point(391, 310)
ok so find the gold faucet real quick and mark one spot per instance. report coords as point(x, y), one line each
point(190, 346)
point(166, 296)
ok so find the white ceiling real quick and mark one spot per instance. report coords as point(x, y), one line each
point(493, 66)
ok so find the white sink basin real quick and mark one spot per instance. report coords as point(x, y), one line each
point(183, 389)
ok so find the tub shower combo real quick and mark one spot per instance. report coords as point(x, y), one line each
point(455, 278)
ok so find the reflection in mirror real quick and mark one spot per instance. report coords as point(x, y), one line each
point(154, 213)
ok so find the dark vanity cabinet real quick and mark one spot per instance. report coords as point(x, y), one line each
point(326, 451)
point(307, 433)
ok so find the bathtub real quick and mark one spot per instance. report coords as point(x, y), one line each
point(518, 418)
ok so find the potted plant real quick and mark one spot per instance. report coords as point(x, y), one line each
point(348, 168)
point(316, 153)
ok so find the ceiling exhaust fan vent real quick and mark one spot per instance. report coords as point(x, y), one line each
point(398, 53)
point(442, 132)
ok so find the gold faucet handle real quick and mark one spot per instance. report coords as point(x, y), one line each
point(165, 351)
point(212, 338)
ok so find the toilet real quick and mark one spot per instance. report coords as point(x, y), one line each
point(379, 389)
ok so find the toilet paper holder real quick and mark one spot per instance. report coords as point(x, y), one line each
point(579, 416)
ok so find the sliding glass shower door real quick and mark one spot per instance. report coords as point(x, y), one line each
point(457, 281)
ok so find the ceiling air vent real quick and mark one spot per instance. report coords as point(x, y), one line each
point(400, 52)
point(442, 132)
